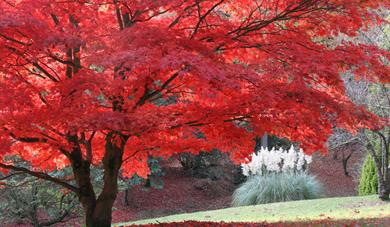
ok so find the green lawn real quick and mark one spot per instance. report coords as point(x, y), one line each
point(341, 208)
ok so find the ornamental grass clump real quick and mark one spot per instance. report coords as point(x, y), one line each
point(273, 187)
point(277, 176)
point(276, 161)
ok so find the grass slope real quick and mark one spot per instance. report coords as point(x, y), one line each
point(341, 208)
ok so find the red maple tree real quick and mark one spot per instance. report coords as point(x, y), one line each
point(110, 83)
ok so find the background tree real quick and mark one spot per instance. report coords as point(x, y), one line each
point(344, 145)
point(376, 97)
point(82, 80)
point(378, 142)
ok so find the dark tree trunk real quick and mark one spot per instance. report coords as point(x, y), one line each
point(98, 211)
point(384, 186)
point(383, 192)
point(126, 199)
point(86, 195)
point(147, 183)
point(383, 181)
point(381, 164)
point(101, 215)
point(345, 162)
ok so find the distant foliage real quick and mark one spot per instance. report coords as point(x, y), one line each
point(154, 179)
point(368, 183)
point(277, 188)
point(205, 164)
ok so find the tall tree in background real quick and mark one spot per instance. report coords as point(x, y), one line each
point(82, 82)
point(376, 98)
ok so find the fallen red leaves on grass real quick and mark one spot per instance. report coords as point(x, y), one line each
point(325, 222)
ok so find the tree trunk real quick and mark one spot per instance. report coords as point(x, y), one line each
point(98, 213)
point(100, 216)
point(126, 199)
point(345, 163)
point(87, 196)
point(384, 190)
point(383, 178)
point(384, 186)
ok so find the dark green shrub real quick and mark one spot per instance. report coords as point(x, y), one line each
point(204, 164)
point(368, 183)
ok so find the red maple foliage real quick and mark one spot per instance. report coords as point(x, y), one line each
point(113, 82)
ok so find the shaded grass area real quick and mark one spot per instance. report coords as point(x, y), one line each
point(341, 208)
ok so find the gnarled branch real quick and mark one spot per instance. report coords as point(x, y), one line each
point(40, 175)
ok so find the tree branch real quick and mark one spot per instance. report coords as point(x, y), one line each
point(26, 139)
point(40, 175)
point(148, 95)
point(203, 17)
point(353, 139)
point(10, 175)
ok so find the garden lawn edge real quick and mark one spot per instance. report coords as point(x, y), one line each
point(335, 209)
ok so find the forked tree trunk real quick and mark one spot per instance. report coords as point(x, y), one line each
point(100, 215)
point(98, 211)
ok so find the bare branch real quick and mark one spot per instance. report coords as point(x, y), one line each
point(10, 175)
point(41, 175)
